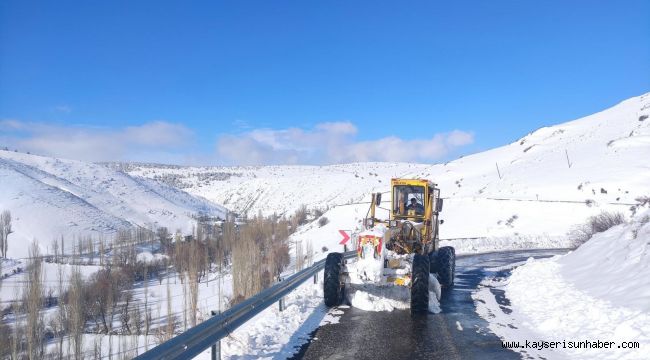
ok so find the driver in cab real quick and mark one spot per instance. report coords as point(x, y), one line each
point(414, 205)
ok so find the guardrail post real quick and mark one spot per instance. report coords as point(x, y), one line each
point(316, 278)
point(216, 348)
point(281, 301)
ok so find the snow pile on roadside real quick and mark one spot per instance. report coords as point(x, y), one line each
point(599, 292)
point(505, 243)
point(277, 335)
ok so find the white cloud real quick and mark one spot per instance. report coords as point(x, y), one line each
point(153, 141)
point(11, 124)
point(460, 138)
point(332, 142)
point(165, 142)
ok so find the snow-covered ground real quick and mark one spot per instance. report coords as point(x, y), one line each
point(599, 292)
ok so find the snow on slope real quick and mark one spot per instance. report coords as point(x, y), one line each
point(535, 198)
point(279, 189)
point(609, 164)
point(599, 292)
point(49, 198)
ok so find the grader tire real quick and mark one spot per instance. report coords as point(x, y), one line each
point(433, 262)
point(420, 285)
point(332, 289)
point(446, 266)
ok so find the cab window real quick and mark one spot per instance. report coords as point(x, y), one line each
point(402, 201)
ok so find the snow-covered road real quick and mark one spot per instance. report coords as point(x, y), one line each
point(458, 332)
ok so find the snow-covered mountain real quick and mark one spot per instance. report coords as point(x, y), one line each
point(539, 186)
point(546, 182)
point(50, 198)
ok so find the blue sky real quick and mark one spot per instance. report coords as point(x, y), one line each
point(245, 82)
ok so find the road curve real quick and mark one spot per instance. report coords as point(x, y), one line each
point(456, 333)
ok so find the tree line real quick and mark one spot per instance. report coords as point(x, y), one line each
point(255, 253)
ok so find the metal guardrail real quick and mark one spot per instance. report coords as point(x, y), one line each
point(199, 338)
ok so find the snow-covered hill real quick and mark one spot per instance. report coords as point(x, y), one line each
point(546, 182)
point(50, 198)
point(279, 189)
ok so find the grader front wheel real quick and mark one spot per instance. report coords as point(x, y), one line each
point(332, 288)
point(420, 284)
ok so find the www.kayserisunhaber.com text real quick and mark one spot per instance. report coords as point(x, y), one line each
point(566, 344)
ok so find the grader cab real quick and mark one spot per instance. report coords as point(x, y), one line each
point(402, 250)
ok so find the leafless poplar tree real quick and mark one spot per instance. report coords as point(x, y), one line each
point(5, 230)
point(75, 312)
point(193, 281)
point(33, 295)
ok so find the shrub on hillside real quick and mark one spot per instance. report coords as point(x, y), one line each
point(318, 212)
point(300, 217)
point(596, 224)
point(323, 221)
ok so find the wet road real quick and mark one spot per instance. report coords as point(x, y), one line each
point(456, 333)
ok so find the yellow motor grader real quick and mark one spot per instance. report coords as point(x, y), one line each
point(400, 251)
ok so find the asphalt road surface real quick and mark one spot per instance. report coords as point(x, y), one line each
point(398, 335)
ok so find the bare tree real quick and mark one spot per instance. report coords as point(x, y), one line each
point(137, 320)
point(246, 260)
point(193, 281)
point(309, 257)
point(258, 256)
point(147, 312)
point(61, 319)
point(171, 320)
point(75, 312)
point(101, 250)
point(33, 295)
point(5, 230)
point(5, 334)
point(184, 282)
point(55, 250)
point(125, 316)
point(300, 255)
point(16, 339)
